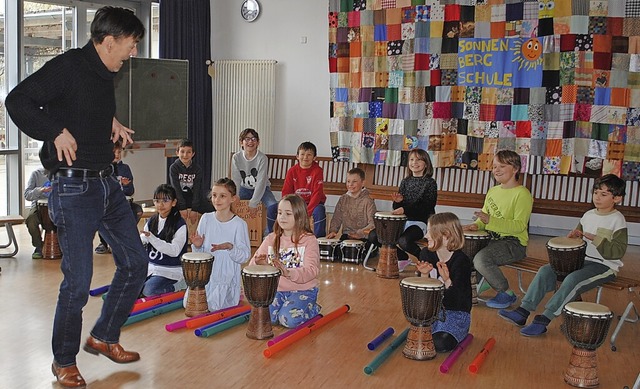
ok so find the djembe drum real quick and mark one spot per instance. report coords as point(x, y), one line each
point(50, 246)
point(260, 287)
point(474, 241)
point(196, 268)
point(565, 256)
point(421, 304)
point(329, 249)
point(352, 250)
point(389, 227)
point(586, 326)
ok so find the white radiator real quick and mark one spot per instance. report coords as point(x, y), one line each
point(244, 96)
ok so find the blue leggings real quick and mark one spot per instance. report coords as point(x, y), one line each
point(291, 309)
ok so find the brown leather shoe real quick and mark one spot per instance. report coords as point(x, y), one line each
point(113, 351)
point(69, 376)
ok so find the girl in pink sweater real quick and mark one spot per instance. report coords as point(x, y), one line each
point(293, 249)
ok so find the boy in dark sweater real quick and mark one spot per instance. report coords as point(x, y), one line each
point(186, 178)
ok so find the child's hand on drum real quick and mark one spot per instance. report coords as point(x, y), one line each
point(424, 268)
point(588, 235)
point(280, 266)
point(331, 235)
point(261, 259)
point(397, 197)
point(399, 211)
point(197, 240)
point(356, 235)
point(221, 246)
point(470, 227)
point(574, 234)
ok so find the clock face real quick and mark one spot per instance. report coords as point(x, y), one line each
point(250, 10)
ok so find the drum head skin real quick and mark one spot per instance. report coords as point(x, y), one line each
point(260, 270)
point(328, 241)
point(352, 243)
point(194, 257)
point(389, 215)
point(588, 309)
point(473, 234)
point(422, 283)
point(562, 242)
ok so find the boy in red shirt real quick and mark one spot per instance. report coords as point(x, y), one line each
point(305, 179)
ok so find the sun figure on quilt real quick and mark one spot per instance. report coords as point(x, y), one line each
point(527, 53)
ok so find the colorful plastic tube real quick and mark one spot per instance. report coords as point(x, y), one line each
point(380, 338)
point(455, 354)
point(277, 347)
point(294, 330)
point(148, 298)
point(198, 331)
point(225, 326)
point(203, 321)
point(99, 291)
point(384, 354)
point(155, 311)
point(482, 355)
point(176, 325)
point(171, 297)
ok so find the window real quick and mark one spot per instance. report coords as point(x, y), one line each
point(49, 29)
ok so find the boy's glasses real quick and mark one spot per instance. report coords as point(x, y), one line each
point(250, 139)
point(162, 201)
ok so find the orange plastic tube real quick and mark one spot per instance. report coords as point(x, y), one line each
point(203, 321)
point(482, 355)
point(168, 298)
point(277, 347)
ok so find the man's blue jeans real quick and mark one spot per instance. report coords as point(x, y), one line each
point(79, 207)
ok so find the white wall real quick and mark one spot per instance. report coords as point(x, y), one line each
point(302, 107)
point(302, 78)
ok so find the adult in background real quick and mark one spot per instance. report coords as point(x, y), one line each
point(70, 104)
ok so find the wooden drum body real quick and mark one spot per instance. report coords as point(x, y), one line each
point(352, 250)
point(260, 287)
point(566, 255)
point(196, 268)
point(389, 227)
point(586, 326)
point(474, 241)
point(50, 246)
point(329, 249)
point(421, 304)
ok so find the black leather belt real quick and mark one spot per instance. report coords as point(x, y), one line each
point(82, 173)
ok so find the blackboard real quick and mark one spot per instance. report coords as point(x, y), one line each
point(152, 97)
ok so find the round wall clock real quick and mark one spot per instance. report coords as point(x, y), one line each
point(250, 10)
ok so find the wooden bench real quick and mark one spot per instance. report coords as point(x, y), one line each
point(8, 222)
point(560, 195)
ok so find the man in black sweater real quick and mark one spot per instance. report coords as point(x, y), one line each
point(70, 105)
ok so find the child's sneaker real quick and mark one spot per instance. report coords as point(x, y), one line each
point(502, 300)
point(37, 254)
point(516, 317)
point(102, 249)
point(537, 328)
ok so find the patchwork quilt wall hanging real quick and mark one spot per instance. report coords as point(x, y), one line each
point(556, 81)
